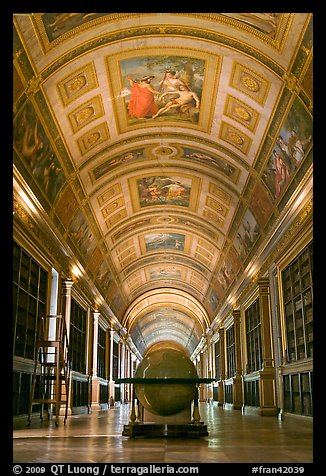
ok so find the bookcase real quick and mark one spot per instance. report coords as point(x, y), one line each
point(78, 321)
point(218, 360)
point(230, 352)
point(298, 393)
point(298, 311)
point(29, 300)
point(253, 338)
point(101, 352)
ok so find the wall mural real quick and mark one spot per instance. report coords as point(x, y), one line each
point(66, 206)
point(261, 204)
point(231, 265)
point(165, 241)
point(224, 167)
point(266, 23)
point(36, 151)
point(165, 272)
point(117, 160)
point(104, 276)
point(82, 235)
point(247, 235)
point(163, 190)
point(183, 260)
point(128, 228)
point(57, 24)
point(291, 146)
point(18, 87)
point(213, 301)
point(115, 300)
point(163, 88)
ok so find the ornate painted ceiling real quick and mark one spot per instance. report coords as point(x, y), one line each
point(162, 187)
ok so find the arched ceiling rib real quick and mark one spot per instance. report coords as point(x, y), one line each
point(174, 202)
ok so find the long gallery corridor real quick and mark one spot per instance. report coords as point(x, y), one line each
point(163, 238)
point(233, 438)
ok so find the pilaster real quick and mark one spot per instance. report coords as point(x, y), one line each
point(111, 382)
point(95, 379)
point(220, 389)
point(267, 384)
point(237, 380)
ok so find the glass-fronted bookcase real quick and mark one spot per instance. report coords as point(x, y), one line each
point(297, 301)
point(297, 288)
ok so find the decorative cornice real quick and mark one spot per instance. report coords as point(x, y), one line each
point(21, 214)
point(293, 231)
point(154, 30)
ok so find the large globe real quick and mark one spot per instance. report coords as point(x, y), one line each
point(165, 399)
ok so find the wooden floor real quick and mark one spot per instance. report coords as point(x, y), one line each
point(232, 438)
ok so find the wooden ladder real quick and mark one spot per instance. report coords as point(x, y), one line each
point(51, 376)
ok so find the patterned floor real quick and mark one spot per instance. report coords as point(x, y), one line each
point(233, 438)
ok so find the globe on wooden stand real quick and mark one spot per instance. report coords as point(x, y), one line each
point(165, 385)
point(165, 399)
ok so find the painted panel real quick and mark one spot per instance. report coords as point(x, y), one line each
point(247, 234)
point(160, 87)
point(59, 24)
point(291, 147)
point(266, 23)
point(163, 87)
point(67, 206)
point(164, 190)
point(165, 272)
point(222, 165)
point(82, 235)
point(117, 160)
point(261, 204)
point(37, 153)
point(165, 241)
point(157, 190)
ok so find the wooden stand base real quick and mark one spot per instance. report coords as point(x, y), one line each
point(155, 430)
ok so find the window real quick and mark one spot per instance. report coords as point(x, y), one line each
point(297, 300)
point(29, 301)
point(230, 352)
point(253, 338)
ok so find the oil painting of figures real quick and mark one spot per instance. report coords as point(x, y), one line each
point(267, 23)
point(161, 190)
point(115, 161)
point(225, 168)
point(247, 235)
point(57, 24)
point(165, 241)
point(163, 88)
point(292, 144)
point(33, 146)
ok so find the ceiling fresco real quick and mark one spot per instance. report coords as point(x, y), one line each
point(162, 147)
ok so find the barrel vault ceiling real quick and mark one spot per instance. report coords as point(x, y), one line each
point(159, 218)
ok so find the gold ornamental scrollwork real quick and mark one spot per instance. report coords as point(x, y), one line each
point(291, 82)
point(33, 85)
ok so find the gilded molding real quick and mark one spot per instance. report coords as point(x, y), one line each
point(33, 228)
point(34, 85)
point(291, 82)
point(142, 32)
point(277, 42)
